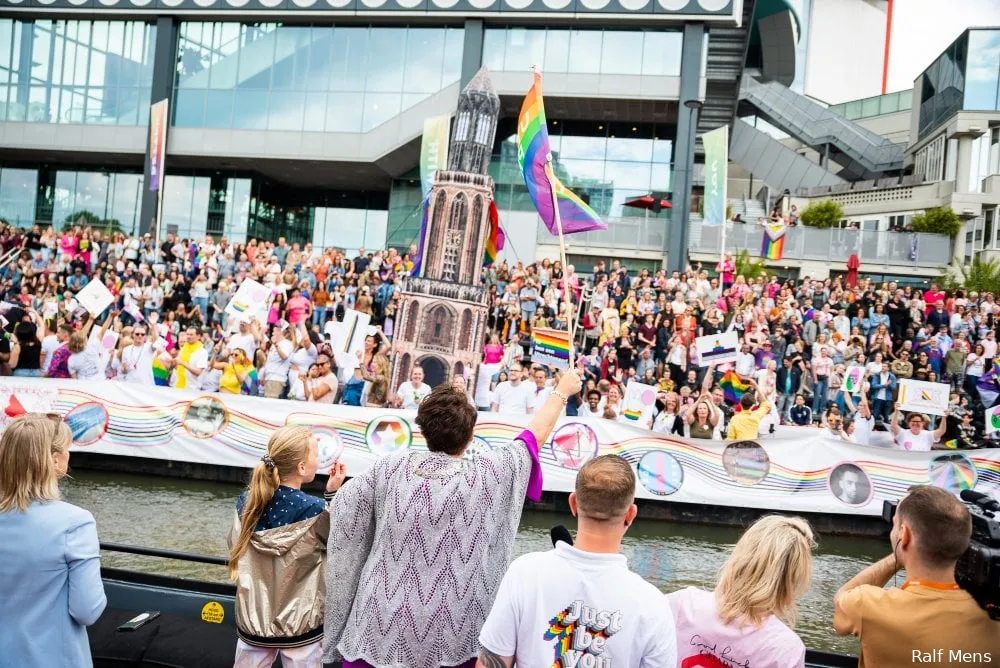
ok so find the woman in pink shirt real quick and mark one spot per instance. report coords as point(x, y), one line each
point(298, 308)
point(748, 618)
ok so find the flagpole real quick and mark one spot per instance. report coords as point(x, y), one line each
point(570, 320)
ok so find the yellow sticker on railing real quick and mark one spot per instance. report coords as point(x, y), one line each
point(213, 613)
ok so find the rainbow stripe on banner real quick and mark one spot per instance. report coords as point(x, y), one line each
point(550, 347)
point(533, 154)
point(733, 386)
point(773, 246)
point(495, 242)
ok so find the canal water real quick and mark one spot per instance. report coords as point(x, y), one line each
point(195, 516)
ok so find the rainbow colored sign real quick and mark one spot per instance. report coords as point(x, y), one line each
point(550, 347)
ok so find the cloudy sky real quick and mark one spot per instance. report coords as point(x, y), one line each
point(922, 29)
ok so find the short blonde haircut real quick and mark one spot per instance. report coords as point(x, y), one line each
point(767, 571)
point(77, 342)
point(27, 472)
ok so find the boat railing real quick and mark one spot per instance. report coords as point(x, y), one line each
point(165, 554)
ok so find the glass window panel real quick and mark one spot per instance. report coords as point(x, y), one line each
point(585, 51)
point(853, 110)
point(582, 147)
point(525, 47)
point(869, 107)
point(379, 108)
point(627, 174)
point(454, 43)
point(315, 112)
point(250, 110)
point(494, 40)
point(376, 227)
point(636, 150)
point(385, 60)
point(424, 58)
point(64, 201)
point(982, 70)
point(579, 173)
point(622, 52)
point(219, 108)
point(286, 111)
point(348, 54)
point(288, 44)
point(663, 150)
point(661, 53)
point(237, 215)
point(556, 51)
point(18, 188)
point(660, 178)
point(189, 108)
point(125, 201)
point(411, 99)
point(889, 103)
point(6, 47)
point(343, 113)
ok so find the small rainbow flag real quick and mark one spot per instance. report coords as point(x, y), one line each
point(161, 375)
point(631, 414)
point(773, 246)
point(418, 260)
point(495, 242)
point(533, 154)
point(250, 383)
point(550, 347)
point(733, 386)
point(952, 444)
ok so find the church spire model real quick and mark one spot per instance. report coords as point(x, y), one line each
point(442, 323)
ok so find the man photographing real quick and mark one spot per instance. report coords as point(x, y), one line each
point(597, 606)
point(929, 619)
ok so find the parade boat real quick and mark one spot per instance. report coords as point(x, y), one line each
point(195, 627)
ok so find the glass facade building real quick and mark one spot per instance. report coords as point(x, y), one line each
point(90, 72)
point(965, 77)
point(330, 78)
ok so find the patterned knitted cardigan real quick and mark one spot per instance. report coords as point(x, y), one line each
point(418, 545)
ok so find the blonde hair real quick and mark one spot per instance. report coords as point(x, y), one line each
point(767, 571)
point(27, 472)
point(77, 342)
point(287, 447)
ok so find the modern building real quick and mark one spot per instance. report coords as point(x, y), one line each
point(884, 159)
point(302, 118)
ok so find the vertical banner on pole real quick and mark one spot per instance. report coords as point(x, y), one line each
point(433, 150)
point(157, 143)
point(716, 145)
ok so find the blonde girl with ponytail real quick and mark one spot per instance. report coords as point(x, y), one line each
point(278, 552)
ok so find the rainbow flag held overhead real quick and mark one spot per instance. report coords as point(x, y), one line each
point(988, 385)
point(161, 375)
point(250, 383)
point(733, 386)
point(533, 155)
point(773, 246)
point(495, 242)
point(550, 347)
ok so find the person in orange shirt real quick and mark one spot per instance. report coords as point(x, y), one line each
point(930, 619)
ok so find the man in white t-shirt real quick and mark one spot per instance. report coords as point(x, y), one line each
point(597, 608)
point(512, 396)
point(412, 392)
point(541, 389)
point(247, 339)
point(192, 359)
point(137, 359)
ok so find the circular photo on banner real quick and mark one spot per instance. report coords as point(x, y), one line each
point(746, 462)
point(850, 484)
point(388, 434)
point(573, 445)
point(88, 422)
point(660, 473)
point(205, 417)
point(953, 472)
point(330, 446)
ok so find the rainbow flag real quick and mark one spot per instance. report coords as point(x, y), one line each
point(495, 242)
point(733, 386)
point(952, 444)
point(773, 246)
point(550, 347)
point(988, 385)
point(418, 261)
point(250, 384)
point(533, 155)
point(161, 375)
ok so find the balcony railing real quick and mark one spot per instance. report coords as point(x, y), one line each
point(634, 233)
point(833, 245)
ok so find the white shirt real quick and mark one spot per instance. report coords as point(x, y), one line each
point(584, 411)
point(863, 429)
point(539, 397)
point(412, 396)
point(619, 617)
point(86, 365)
point(514, 399)
point(199, 360)
point(745, 364)
point(140, 364)
point(246, 342)
point(49, 345)
point(921, 442)
point(276, 368)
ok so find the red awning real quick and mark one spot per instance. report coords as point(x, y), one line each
point(648, 202)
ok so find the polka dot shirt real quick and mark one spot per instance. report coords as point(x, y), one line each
point(287, 506)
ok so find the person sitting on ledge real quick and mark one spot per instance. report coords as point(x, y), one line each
point(418, 542)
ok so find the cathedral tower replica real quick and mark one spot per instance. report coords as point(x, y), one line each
point(442, 321)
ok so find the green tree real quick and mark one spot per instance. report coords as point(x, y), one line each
point(749, 267)
point(86, 218)
point(937, 221)
point(979, 276)
point(822, 214)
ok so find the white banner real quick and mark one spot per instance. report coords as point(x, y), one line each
point(923, 397)
point(797, 470)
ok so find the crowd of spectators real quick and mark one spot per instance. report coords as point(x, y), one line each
point(798, 338)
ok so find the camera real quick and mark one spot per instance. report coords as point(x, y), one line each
point(978, 570)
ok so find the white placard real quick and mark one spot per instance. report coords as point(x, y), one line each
point(95, 298)
point(348, 336)
point(107, 345)
point(717, 348)
point(250, 302)
point(923, 397)
point(639, 404)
